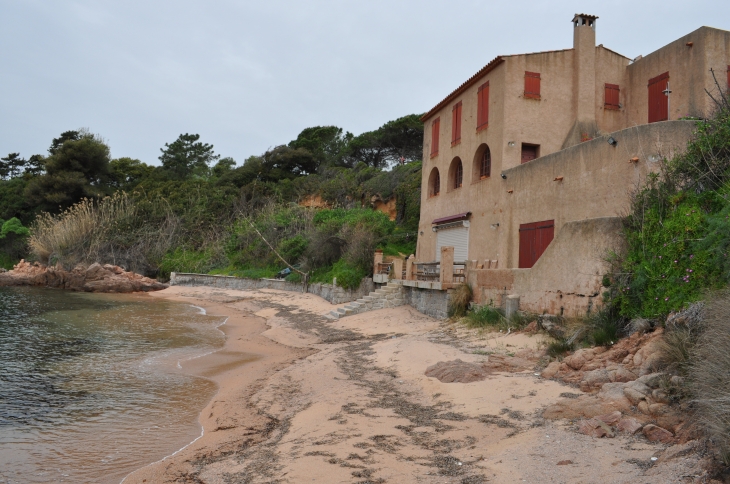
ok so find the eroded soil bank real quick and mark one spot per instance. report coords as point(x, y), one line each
point(395, 396)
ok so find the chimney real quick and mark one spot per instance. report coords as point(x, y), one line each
point(584, 78)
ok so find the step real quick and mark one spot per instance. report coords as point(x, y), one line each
point(367, 298)
point(352, 305)
point(333, 315)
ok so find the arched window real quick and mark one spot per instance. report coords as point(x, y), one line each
point(434, 183)
point(485, 168)
point(456, 174)
point(482, 166)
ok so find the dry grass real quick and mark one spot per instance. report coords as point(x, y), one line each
point(709, 373)
point(111, 230)
point(459, 300)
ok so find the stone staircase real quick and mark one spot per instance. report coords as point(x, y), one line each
point(388, 296)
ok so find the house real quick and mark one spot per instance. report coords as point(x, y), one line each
point(529, 164)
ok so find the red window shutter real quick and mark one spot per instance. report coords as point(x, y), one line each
point(435, 137)
point(611, 96)
point(532, 85)
point(456, 124)
point(483, 106)
point(658, 101)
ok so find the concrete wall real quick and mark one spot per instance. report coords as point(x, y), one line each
point(333, 294)
point(430, 302)
point(553, 284)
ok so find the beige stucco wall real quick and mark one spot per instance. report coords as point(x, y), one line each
point(689, 74)
point(597, 181)
point(551, 285)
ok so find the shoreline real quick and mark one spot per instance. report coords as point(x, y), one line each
point(245, 358)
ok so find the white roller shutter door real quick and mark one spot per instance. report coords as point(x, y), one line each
point(458, 238)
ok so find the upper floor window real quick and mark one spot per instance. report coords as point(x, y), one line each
point(456, 124)
point(435, 137)
point(485, 168)
point(434, 183)
point(611, 97)
point(532, 85)
point(483, 106)
point(529, 152)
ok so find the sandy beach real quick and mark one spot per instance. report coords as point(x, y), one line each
point(303, 398)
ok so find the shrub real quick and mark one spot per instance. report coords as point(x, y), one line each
point(484, 316)
point(708, 373)
point(559, 348)
point(113, 230)
point(459, 300)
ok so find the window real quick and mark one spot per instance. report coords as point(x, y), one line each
point(532, 85)
point(611, 97)
point(456, 174)
point(658, 100)
point(456, 124)
point(529, 152)
point(483, 106)
point(435, 137)
point(459, 175)
point(485, 169)
point(434, 183)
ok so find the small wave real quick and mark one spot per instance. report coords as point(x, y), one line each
point(202, 310)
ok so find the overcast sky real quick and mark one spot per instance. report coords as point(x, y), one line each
point(249, 75)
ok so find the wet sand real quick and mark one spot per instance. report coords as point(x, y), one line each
point(348, 401)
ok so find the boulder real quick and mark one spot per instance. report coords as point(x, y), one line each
point(610, 418)
point(629, 425)
point(457, 371)
point(594, 379)
point(651, 380)
point(595, 428)
point(654, 433)
point(623, 375)
point(551, 370)
point(551, 325)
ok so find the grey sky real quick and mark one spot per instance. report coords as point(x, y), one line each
point(250, 75)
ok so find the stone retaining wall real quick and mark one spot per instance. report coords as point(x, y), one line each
point(333, 294)
point(431, 302)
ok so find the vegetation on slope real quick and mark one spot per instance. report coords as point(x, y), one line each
point(194, 212)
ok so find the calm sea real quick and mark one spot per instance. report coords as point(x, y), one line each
point(91, 386)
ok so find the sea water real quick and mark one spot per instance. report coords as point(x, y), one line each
point(91, 385)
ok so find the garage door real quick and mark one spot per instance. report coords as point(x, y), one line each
point(458, 238)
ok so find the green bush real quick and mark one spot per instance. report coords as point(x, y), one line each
point(678, 230)
point(485, 316)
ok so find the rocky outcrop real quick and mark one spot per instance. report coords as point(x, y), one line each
point(94, 278)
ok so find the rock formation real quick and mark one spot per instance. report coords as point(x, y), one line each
point(94, 278)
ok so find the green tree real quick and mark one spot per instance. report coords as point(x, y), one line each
point(283, 163)
point(186, 156)
point(223, 166)
point(36, 165)
point(77, 168)
point(65, 136)
point(327, 144)
point(126, 173)
point(11, 166)
point(399, 141)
